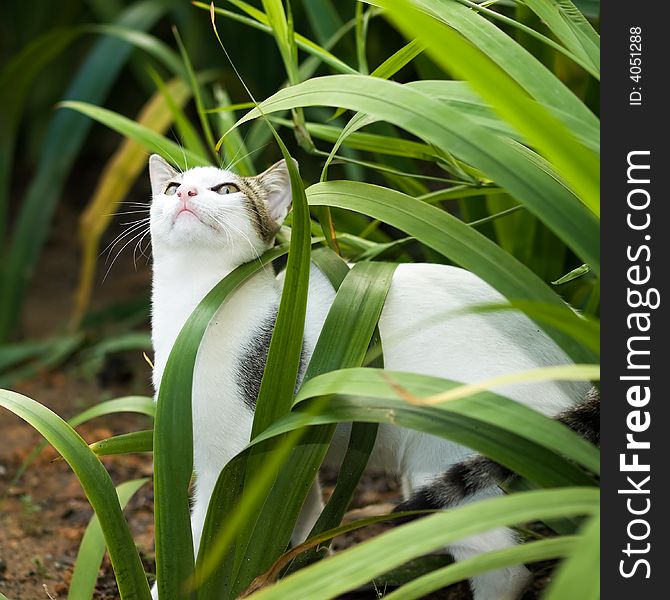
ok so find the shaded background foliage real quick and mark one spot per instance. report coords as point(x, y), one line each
point(71, 182)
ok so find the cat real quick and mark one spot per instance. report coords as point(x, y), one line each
point(205, 222)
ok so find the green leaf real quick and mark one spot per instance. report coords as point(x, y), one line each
point(263, 23)
point(173, 437)
point(578, 165)
point(355, 566)
point(488, 422)
point(97, 486)
point(136, 441)
point(283, 34)
point(451, 237)
point(499, 47)
point(92, 548)
point(369, 142)
point(150, 139)
point(398, 60)
point(579, 576)
point(283, 361)
point(524, 553)
point(197, 92)
point(136, 404)
point(343, 341)
point(460, 95)
point(572, 275)
point(571, 27)
point(235, 151)
point(530, 180)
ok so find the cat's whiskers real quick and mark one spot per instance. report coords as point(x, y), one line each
point(139, 245)
point(141, 233)
point(224, 228)
point(128, 212)
point(143, 219)
point(244, 235)
point(119, 237)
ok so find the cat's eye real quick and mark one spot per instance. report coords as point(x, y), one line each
point(225, 188)
point(171, 189)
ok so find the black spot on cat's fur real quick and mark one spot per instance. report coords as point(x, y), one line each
point(584, 418)
point(252, 362)
point(422, 499)
point(477, 473)
point(461, 480)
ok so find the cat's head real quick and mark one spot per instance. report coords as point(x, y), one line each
point(209, 208)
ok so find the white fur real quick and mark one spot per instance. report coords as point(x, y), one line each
point(422, 326)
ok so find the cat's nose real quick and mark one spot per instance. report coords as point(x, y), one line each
point(186, 191)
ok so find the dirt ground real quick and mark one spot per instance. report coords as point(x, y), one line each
point(44, 514)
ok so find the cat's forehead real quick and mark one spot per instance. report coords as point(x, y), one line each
point(208, 176)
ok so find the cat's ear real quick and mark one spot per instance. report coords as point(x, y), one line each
point(277, 185)
point(160, 172)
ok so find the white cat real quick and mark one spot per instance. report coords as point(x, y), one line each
point(206, 221)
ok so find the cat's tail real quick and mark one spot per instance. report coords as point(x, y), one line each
point(478, 473)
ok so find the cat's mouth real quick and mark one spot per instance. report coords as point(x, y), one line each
point(187, 214)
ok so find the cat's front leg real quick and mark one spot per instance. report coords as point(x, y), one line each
point(204, 486)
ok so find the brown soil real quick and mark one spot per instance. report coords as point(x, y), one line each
point(44, 515)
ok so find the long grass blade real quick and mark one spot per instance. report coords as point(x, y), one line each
point(463, 245)
point(571, 27)
point(173, 439)
point(92, 548)
point(530, 180)
point(353, 567)
point(151, 140)
point(97, 486)
point(579, 576)
point(525, 553)
point(578, 165)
